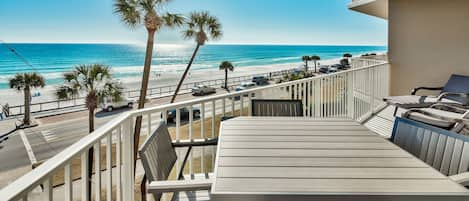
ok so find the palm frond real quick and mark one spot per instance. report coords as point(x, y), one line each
point(37, 80)
point(17, 82)
point(24, 80)
point(188, 34)
point(128, 12)
point(226, 65)
point(66, 92)
point(111, 89)
point(173, 20)
point(315, 58)
point(149, 6)
point(200, 23)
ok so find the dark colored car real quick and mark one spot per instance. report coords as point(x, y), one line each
point(340, 67)
point(260, 80)
point(323, 69)
point(171, 115)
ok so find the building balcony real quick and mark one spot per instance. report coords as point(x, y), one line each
point(377, 8)
point(354, 94)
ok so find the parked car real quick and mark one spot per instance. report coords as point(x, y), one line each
point(328, 69)
point(260, 80)
point(345, 63)
point(323, 69)
point(184, 112)
point(201, 90)
point(340, 67)
point(333, 69)
point(109, 105)
point(245, 85)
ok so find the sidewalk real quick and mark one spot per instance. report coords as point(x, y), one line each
point(7, 126)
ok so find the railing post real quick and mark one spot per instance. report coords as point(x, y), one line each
point(128, 162)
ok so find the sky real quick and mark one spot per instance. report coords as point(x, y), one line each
point(306, 22)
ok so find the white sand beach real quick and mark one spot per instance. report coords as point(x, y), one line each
point(13, 97)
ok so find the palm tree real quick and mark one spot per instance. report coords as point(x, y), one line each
point(227, 66)
point(315, 58)
point(199, 24)
point(306, 59)
point(24, 82)
point(147, 13)
point(347, 55)
point(96, 82)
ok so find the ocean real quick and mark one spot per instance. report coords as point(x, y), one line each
point(52, 60)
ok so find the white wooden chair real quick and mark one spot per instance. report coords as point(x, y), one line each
point(158, 157)
point(285, 108)
point(444, 150)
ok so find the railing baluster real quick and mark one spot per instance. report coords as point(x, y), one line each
point(178, 123)
point(109, 166)
point(202, 120)
point(233, 106)
point(84, 176)
point(97, 170)
point(213, 118)
point(165, 116)
point(149, 124)
point(223, 108)
point(304, 97)
point(241, 105)
point(128, 164)
point(48, 189)
point(250, 104)
point(191, 120)
point(118, 163)
point(68, 186)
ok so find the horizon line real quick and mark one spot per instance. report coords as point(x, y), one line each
point(139, 43)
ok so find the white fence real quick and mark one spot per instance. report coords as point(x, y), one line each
point(353, 94)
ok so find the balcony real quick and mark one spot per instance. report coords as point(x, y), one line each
point(377, 8)
point(354, 94)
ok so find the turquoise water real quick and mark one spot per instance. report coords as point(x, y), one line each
point(52, 60)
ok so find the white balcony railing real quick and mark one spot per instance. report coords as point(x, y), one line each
point(353, 94)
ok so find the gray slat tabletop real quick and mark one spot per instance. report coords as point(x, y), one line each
point(289, 158)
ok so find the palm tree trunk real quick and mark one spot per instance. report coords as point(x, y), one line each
point(185, 74)
point(143, 90)
point(90, 151)
point(27, 106)
point(226, 79)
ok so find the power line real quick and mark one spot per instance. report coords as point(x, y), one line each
point(14, 51)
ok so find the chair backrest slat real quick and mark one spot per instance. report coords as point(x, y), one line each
point(464, 163)
point(158, 156)
point(456, 157)
point(425, 145)
point(444, 150)
point(432, 148)
point(447, 155)
point(288, 108)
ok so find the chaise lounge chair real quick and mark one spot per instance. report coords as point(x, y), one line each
point(456, 91)
point(441, 115)
point(158, 157)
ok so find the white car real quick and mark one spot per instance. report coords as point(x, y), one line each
point(245, 85)
point(109, 105)
point(202, 90)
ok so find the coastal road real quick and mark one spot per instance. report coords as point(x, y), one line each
point(58, 132)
